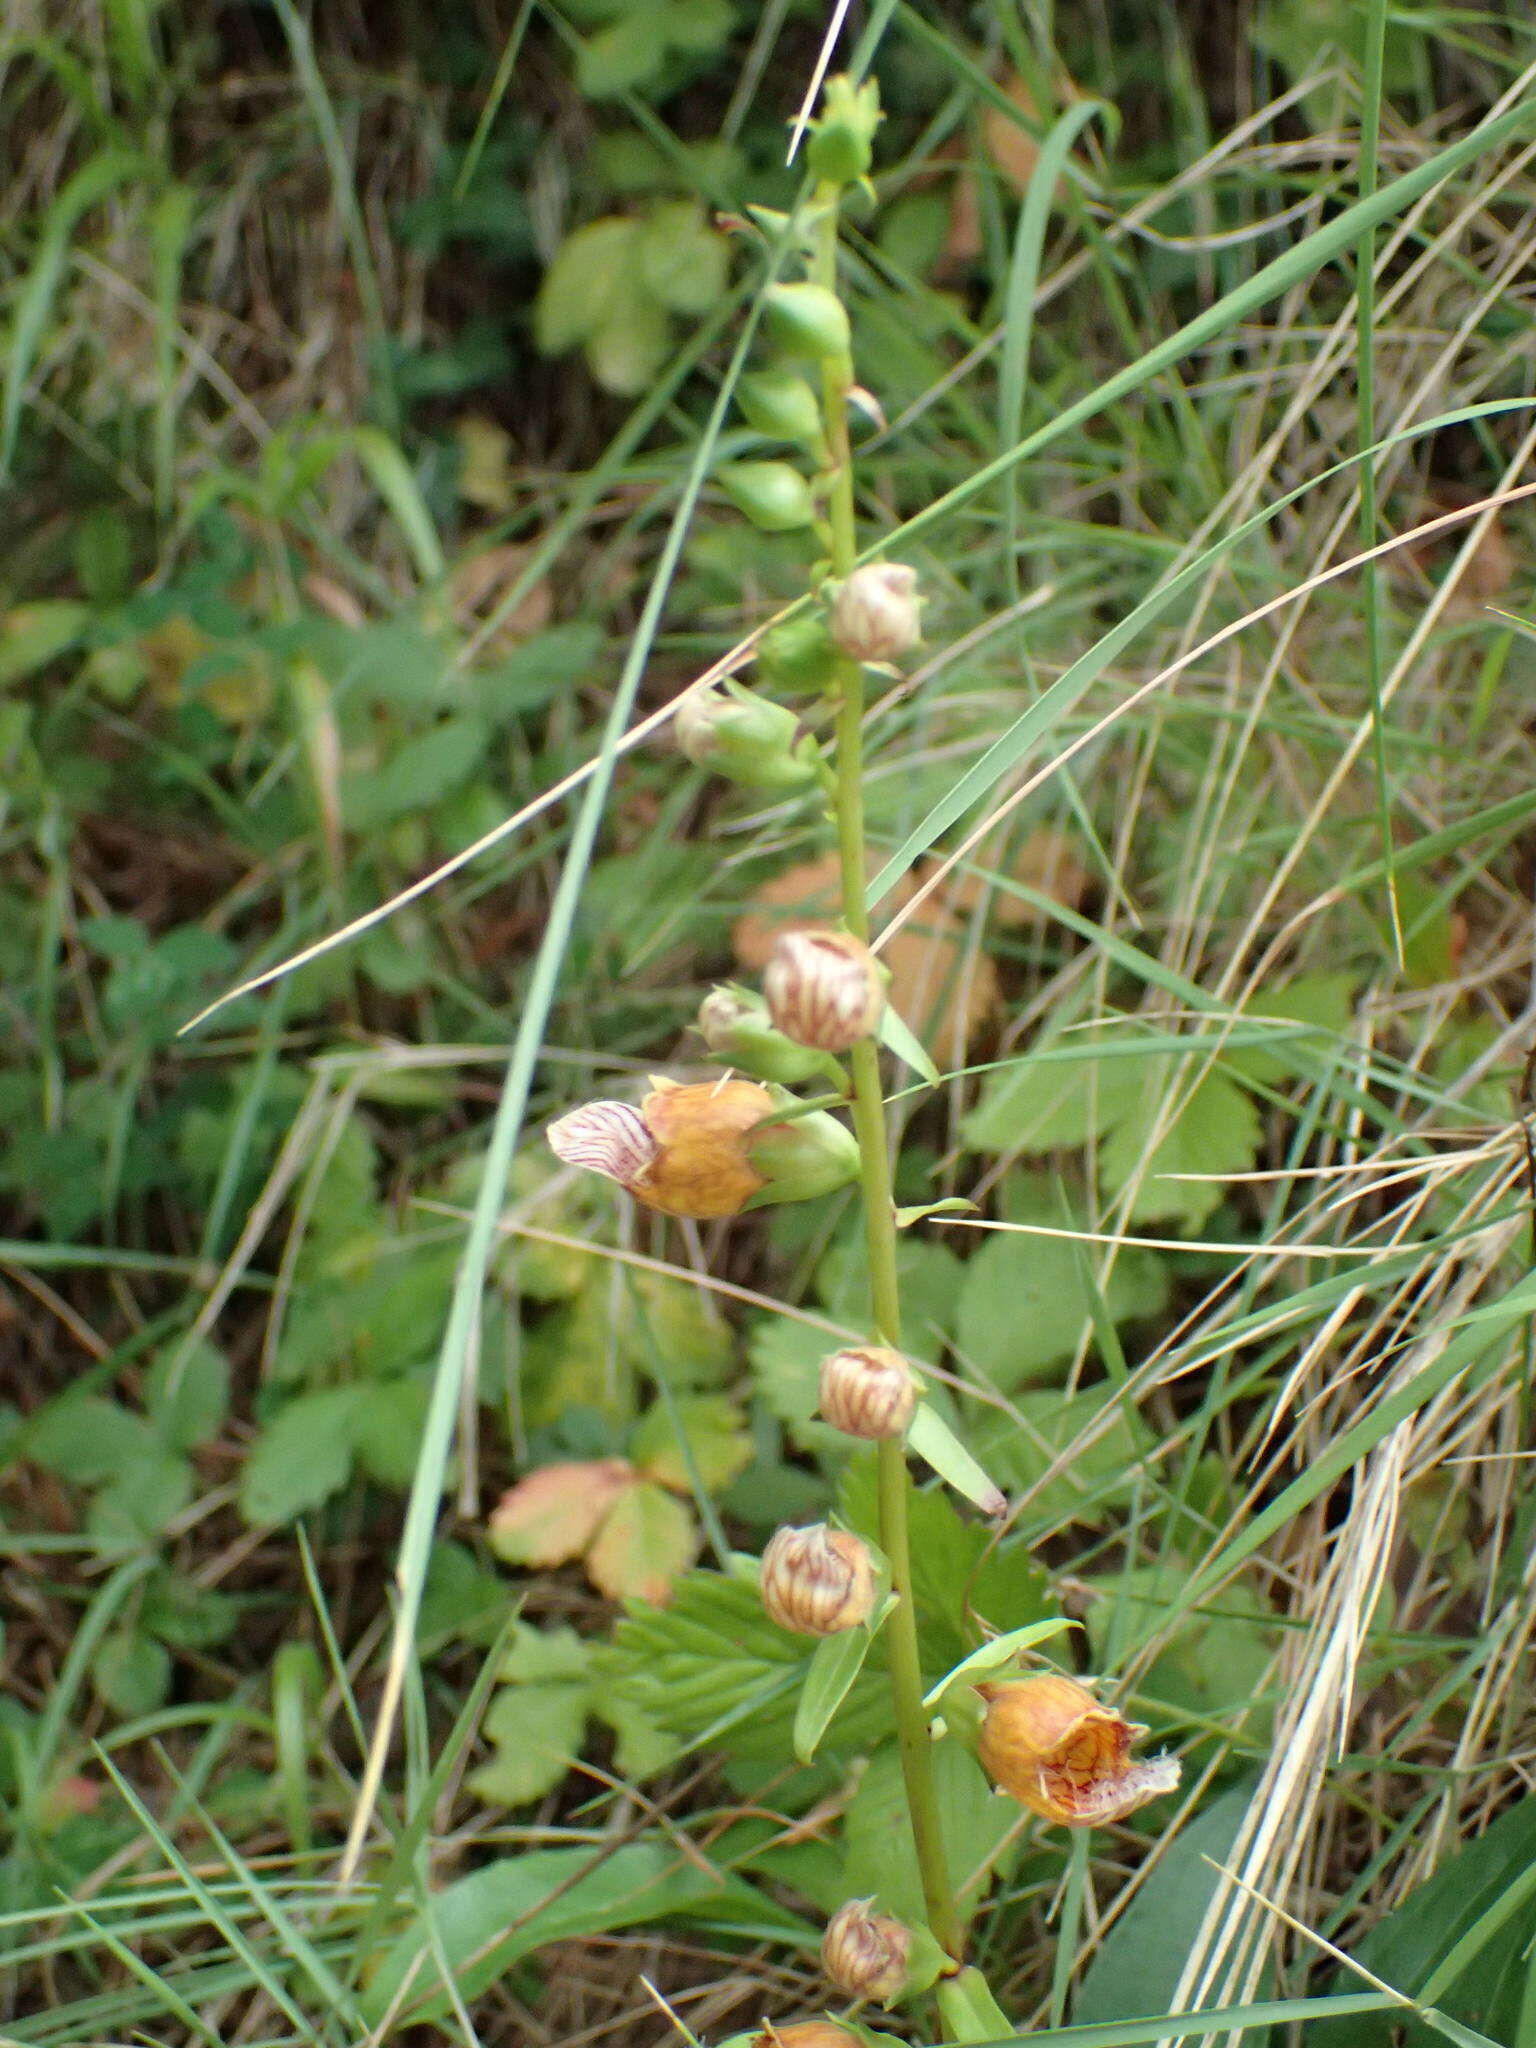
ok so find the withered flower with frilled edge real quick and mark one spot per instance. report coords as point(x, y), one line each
point(1048, 1743)
point(705, 1148)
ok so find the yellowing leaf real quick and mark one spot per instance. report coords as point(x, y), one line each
point(647, 1539)
point(552, 1515)
point(717, 1441)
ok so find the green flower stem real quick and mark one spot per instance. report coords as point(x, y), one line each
point(874, 1161)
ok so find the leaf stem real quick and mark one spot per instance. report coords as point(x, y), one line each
point(868, 1104)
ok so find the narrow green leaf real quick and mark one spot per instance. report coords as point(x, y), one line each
point(937, 1445)
point(992, 1656)
point(836, 1663)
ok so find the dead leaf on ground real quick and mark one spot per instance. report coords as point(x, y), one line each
point(478, 585)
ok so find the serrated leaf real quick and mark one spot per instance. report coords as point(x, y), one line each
point(1215, 1132)
point(546, 1656)
point(388, 1431)
point(302, 1456)
point(1102, 1461)
point(1066, 1092)
point(646, 1539)
point(713, 1663)
point(1323, 1001)
point(86, 1439)
point(553, 1514)
point(718, 1442)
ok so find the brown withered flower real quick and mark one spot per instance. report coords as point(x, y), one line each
point(817, 1581)
point(684, 1150)
point(1048, 1743)
point(865, 1953)
point(806, 2034)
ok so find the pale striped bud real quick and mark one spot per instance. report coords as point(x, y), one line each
point(817, 1581)
point(868, 1391)
point(865, 1953)
point(823, 989)
point(875, 612)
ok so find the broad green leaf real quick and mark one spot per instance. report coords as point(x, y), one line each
point(587, 285)
point(1459, 1939)
point(1066, 1093)
point(186, 1391)
point(1323, 1001)
point(1093, 1475)
point(683, 261)
point(387, 1433)
point(881, 1861)
point(1215, 1132)
point(421, 772)
point(969, 2010)
point(900, 1038)
point(1026, 1303)
point(646, 1539)
point(487, 1921)
point(537, 1729)
point(620, 57)
point(302, 1456)
point(142, 1498)
point(32, 635)
point(1138, 1967)
point(931, 1279)
point(718, 1442)
point(711, 1664)
point(835, 1663)
point(626, 352)
point(85, 1438)
point(131, 1672)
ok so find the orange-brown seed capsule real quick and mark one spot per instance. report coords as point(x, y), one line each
point(868, 1391)
point(817, 1581)
point(823, 989)
point(865, 1953)
point(1048, 1743)
point(806, 2034)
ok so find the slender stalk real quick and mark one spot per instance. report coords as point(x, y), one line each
point(868, 1106)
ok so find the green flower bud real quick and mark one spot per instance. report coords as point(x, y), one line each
point(807, 320)
point(736, 1027)
point(779, 403)
point(807, 1155)
point(773, 495)
point(744, 738)
point(797, 657)
point(841, 143)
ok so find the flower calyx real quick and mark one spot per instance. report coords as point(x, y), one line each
point(744, 738)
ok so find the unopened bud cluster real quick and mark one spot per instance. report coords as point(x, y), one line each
point(866, 1953)
point(824, 989)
